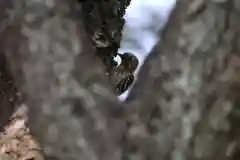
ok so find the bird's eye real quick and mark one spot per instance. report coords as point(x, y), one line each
point(118, 60)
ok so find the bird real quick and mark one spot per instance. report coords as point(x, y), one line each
point(128, 61)
point(122, 75)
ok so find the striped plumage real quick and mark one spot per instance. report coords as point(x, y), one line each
point(122, 76)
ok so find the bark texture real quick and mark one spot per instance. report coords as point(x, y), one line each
point(195, 94)
point(185, 104)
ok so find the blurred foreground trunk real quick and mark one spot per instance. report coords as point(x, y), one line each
point(188, 89)
point(185, 104)
point(52, 59)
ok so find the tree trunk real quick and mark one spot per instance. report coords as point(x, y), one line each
point(104, 21)
point(187, 92)
point(184, 105)
point(52, 59)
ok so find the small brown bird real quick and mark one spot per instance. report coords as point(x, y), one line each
point(129, 61)
point(121, 76)
point(121, 80)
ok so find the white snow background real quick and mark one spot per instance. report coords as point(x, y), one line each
point(143, 21)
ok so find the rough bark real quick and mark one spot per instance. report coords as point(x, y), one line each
point(104, 21)
point(52, 60)
point(188, 110)
point(188, 88)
